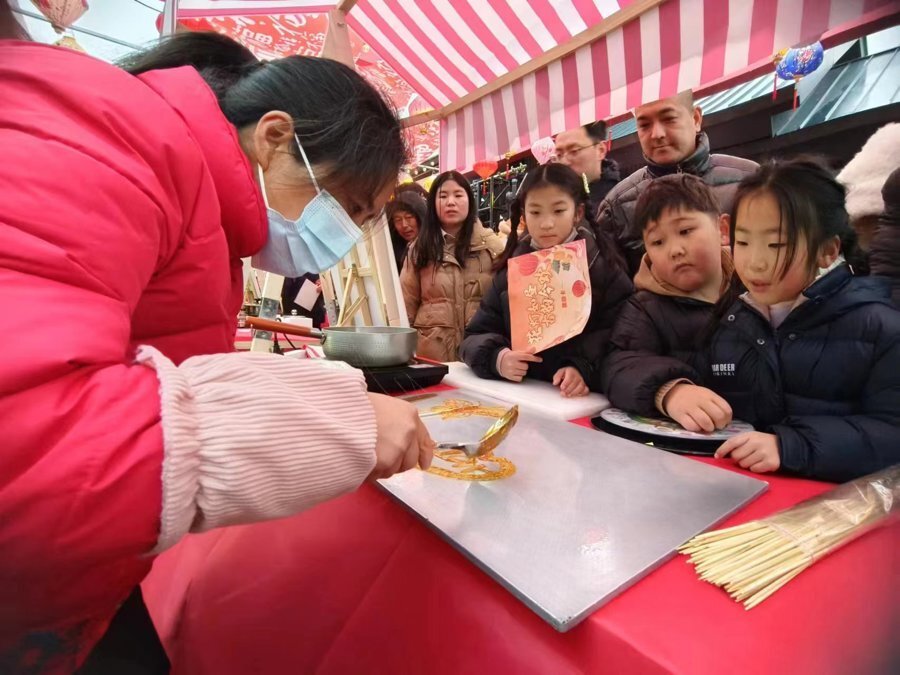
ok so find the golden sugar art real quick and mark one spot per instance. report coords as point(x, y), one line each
point(458, 465)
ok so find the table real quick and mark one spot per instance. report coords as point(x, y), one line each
point(359, 585)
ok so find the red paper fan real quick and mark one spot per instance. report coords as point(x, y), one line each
point(578, 288)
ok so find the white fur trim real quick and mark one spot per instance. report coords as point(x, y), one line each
point(866, 173)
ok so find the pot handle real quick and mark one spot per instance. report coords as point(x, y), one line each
point(285, 328)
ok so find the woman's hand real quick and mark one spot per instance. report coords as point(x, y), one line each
point(697, 408)
point(570, 382)
point(403, 441)
point(514, 365)
point(753, 450)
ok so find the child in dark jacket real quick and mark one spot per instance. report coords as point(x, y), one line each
point(657, 339)
point(810, 353)
point(552, 203)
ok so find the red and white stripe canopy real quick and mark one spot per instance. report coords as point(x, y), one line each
point(678, 45)
point(450, 51)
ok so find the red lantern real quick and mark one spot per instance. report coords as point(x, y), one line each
point(61, 13)
point(485, 168)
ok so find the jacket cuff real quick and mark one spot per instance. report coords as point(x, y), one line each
point(663, 391)
point(499, 358)
point(792, 451)
point(251, 437)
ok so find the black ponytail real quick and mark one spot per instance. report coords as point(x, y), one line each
point(348, 130)
point(221, 61)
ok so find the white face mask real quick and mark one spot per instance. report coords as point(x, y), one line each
point(322, 235)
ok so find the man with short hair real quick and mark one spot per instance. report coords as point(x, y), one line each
point(584, 150)
point(672, 142)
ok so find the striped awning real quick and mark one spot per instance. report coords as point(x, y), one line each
point(192, 9)
point(703, 45)
point(504, 73)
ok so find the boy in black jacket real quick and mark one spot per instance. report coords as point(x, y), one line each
point(653, 350)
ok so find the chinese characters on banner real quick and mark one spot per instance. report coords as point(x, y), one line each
point(549, 296)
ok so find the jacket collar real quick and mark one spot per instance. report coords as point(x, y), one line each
point(243, 213)
point(609, 175)
point(840, 288)
point(697, 164)
point(581, 232)
point(477, 242)
point(646, 280)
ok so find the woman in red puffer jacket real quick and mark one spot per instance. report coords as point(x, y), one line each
point(126, 203)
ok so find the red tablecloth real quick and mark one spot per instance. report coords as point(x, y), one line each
point(359, 585)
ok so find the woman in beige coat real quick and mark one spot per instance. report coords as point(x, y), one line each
point(448, 268)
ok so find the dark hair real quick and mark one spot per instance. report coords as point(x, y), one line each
point(677, 191)
point(348, 130)
point(411, 187)
point(811, 203)
point(596, 131)
point(10, 29)
point(430, 242)
point(562, 177)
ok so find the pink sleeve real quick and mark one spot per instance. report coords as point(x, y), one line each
point(251, 437)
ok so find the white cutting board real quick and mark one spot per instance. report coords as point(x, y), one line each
point(533, 395)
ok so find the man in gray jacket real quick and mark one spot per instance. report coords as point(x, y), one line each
point(672, 142)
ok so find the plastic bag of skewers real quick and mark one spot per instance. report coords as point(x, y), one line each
point(754, 560)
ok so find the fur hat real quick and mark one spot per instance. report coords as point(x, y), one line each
point(866, 173)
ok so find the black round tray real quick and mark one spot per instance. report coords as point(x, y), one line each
point(682, 446)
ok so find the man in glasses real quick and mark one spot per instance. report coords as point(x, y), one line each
point(672, 142)
point(584, 150)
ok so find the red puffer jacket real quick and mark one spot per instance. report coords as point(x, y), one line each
point(125, 207)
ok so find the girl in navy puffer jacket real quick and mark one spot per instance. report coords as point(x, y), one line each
point(810, 353)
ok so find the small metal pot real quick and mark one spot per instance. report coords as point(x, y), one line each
point(360, 346)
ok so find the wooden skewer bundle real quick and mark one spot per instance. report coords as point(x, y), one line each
point(754, 560)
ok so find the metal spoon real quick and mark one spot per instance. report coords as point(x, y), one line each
point(492, 437)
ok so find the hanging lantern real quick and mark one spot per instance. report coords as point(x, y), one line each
point(485, 168)
point(543, 150)
point(61, 13)
point(794, 64)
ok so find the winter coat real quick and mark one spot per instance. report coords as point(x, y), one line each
point(616, 214)
point(826, 382)
point(126, 205)
point(598, 189)
point(657, 338)
point(884, 257)
point(489, 331)
point(441, 298)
